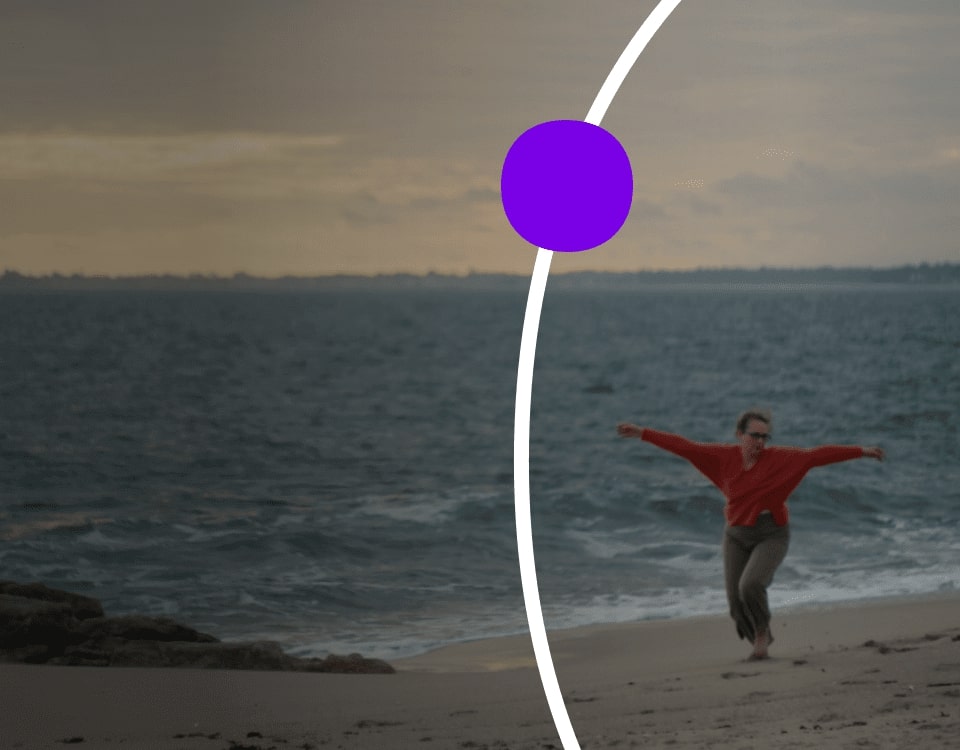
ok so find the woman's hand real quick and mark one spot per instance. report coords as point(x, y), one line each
point(874, 452)
point(625, 429)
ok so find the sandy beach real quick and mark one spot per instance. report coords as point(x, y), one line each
point(880, 675)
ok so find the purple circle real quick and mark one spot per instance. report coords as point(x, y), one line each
point(566, 185)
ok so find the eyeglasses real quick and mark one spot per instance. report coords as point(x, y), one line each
point(760, 435)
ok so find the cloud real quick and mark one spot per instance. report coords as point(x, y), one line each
point(812, 185)
point(149, 158)
point(79, 184)
point(950, 155)
point(365, 210)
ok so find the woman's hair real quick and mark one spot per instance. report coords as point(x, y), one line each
point(764, 415)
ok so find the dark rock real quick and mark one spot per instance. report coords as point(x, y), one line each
point(40, 625)
point(82, 607)
point(27, 622)
point(35, 654)
point(140, 628)
point(352, 664)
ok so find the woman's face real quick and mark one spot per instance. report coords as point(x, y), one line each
point(753, 439)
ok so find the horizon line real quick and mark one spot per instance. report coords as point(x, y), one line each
point(244, 275)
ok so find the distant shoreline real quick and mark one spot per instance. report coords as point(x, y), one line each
point(942, 274)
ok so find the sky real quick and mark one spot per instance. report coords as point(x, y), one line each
point(367, 136)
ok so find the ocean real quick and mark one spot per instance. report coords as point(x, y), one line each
point(333, 470)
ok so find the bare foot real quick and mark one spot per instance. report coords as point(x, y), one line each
point(760, 647)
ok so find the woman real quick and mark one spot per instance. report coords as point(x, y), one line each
point(756, 481)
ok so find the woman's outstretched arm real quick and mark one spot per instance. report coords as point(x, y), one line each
point(832, 454)
point(708, 458)
point(625, 429)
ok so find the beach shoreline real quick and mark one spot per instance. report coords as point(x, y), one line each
point(875, 675)
point(513, 650)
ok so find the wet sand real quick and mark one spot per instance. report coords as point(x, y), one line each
point(873, 675)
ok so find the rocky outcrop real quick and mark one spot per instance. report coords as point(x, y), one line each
point(41, 625)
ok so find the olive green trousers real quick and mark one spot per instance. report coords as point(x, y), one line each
point(751, 555)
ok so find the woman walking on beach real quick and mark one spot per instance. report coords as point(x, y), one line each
point(756, 481)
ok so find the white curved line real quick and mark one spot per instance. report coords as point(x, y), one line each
point(521, 489)
point(521, 430)
point(629, 56)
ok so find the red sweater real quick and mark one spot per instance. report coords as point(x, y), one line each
point(765, 486)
